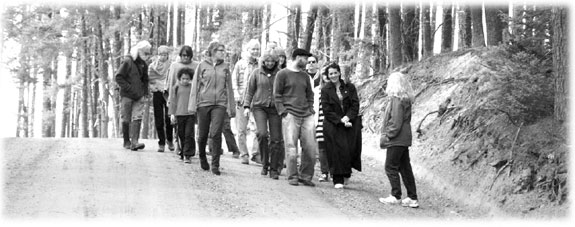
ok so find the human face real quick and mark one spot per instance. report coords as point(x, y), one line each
point(311, 64)
point(144, 54)
point(282, 59)
point(163, 57)
point(185, 79)
point(333, 75)
point(269, 63)
point(185, 58)
point(254, 51)
point(301, 61)
point(219, 53)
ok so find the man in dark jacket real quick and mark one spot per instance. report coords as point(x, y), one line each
point(132, 78)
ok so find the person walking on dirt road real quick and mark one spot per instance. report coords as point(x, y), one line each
point(396, 138)
point(259, 100)
point(293, 94)
point(158, 72)
point(341, 126)
point(211, 96)
point(132, 78)
point(180, 115)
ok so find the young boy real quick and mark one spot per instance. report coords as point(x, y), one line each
point(179, 115)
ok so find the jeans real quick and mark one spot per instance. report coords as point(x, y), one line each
point(229, 136)
point(242, 130)
point(299, 128)
point(269, 136)
point(186, 134)
point(397, 162)
point(210, 124)
point(161, 118)
point(131, 110)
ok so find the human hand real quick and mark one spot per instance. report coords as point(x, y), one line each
point(173, 119)
point(348, 124)
point(247, 112)
point(344, 119)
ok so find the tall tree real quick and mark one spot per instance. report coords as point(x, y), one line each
point(395, 35)
point(447, 29)
point(495, 24)
point(560, 61)
point(426, 36)
point(310, 25)
point(464, 19)
point(410, 32)
point(477, 39)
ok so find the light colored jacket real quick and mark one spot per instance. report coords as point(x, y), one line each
point(240, 76)
point(212, 85)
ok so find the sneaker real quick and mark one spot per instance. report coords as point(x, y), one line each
point(161, 149)
point(323, 178)
point(216, 171)
point(306, 183)
point(187, 160)
point(245, 161)
point(171, 145)
point(264, 171)
point(338, 186)
point(236, 155)
point(256, 158)
point(408, 202)
point(345, 180)
point(137, 146)
point(389, 200)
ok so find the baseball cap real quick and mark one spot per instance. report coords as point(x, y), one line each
point(300, 52)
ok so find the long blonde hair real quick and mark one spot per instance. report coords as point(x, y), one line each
point(398, 85)
point(134, 52)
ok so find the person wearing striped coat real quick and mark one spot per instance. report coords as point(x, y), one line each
point(324, 167)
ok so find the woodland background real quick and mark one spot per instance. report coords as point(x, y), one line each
point(62, 56)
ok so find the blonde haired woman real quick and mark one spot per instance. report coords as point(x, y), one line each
point(396, 138)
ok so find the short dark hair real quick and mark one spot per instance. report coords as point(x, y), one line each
point(185, 70)
point(187, 50)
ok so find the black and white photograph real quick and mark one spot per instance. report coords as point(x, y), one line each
point(283, 112)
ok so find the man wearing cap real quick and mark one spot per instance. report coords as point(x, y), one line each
point(293, 93)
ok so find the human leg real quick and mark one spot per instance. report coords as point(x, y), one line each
point(229, 137)
point(137, 115)
point(262, 135)
point(241, 130)
point(158, 104)
point(217, 115)
point(126, 118)
point(203, 131)
point(407, 175)
point(309, 148)
point(392, 165)
point(290, 131)
point(276, 147)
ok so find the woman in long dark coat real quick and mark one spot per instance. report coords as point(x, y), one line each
point(341, 126)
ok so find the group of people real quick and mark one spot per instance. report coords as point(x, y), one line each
point(302, 112)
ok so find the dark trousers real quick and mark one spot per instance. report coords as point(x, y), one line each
point(229, 136)
point(323, 166)
point(186, 134)
point(161, 119)
point(270, 138)
point(338, 178)
point(396, 163)
point(210, 125)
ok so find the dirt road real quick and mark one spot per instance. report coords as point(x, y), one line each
point(96, 178)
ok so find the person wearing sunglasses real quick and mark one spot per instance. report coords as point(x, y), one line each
point(185, 61)
point(312, 68)
point(211, 96)
point(132, 78)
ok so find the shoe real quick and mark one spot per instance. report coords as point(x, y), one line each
point(204, 164)
point(307, 183)
point(264, 171)
point(256, 159)
point(171, 146)
point(187, 160)
point(216, 171)
point(245, 161)
point(389, 200)
point(236, 155)
point(161, 149)
point(137, 146)
point(323, 177)
point(345, 180)
point(338, 186)
point(127, 144)
point(408, 202)
point(274, 175)
point(293, 182)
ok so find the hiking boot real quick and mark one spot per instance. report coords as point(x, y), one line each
point(127, 144)
point(170, 145)
point(306, 183)
point(135, 135)
point(204, 164)
point(216, 171)
point(245, 161)
point(126, 135)
point(137, 146)
point(187, 160)
point(264, 171)
point(274, 175)
point(408, 202)
point(389, 200)
point(161, 149)
point(323, 177)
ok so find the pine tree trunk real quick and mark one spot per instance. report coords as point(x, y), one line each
point(426, 36)
point(410, 33)
point(395, 35)
point(67, 99)
point(309, 28)
point(102, 49)
point(116, 56)
point(560, 62)
point(296, 26)
point(447, 29)
point(477, 39)
point(495, 24)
